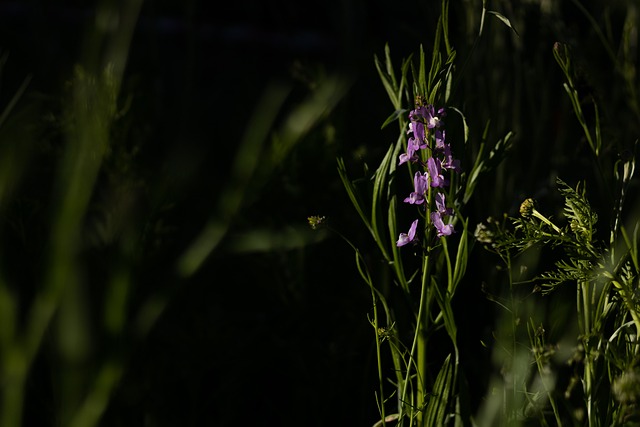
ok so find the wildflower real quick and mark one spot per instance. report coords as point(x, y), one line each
point(528, 209)
point(449, 162)
point(419, 114)
point(315, 221)
point(626, 387)
point(426, 114)
point(417, 141)
point(435, 173)
point(440, 137)
point(417, 128)
point(420, 187)
point(438, 223)
point(408, 237)
point(483, 234)
point(441, 205)
point(412, 146)
point(434, 120)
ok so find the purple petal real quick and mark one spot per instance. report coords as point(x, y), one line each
point(434, 168)
point(440, 137)
point(442, 228)
point(441, 205)
point(406, 238)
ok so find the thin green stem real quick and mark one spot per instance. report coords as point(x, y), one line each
point(376, 326)
point(546, 221)
point(419, 343)
point(588, 358)
point(425, 311)
point(513, 310)
point(628, 301)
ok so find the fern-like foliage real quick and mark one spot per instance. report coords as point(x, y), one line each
point(581, 255)
point(582, 218)
point(580, 252)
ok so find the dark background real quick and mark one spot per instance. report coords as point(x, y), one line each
point(276, 336)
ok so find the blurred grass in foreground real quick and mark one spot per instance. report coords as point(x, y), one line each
point(79, 313)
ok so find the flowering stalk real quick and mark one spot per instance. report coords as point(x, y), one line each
point(423, 397)
point(428, 149)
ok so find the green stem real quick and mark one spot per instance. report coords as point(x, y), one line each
point(15, 372)
point(546, 221)
point(421, 328)
point(419, 343)
point(628, 301)
point(376, 325)
point(588, 362)
point(513, 310)
point(424, 314)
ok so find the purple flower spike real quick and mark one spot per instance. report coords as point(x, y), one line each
point(435, 173)
point(420, 184)
point(408, 237)
point(443, 229)
point(425, 124)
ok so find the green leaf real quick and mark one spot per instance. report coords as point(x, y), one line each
point(461, 258)
point(393, 117)
point(503, 19)
point(445, 27)
point(465, 126)
point(484, 11)
point(387, 76)
point(436, 410)
point(353, 193)
point(422, 77)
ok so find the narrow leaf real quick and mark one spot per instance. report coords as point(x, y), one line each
point(504, 19)
point(436, 410)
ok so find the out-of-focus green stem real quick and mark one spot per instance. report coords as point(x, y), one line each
point(89, 116)
point(15, 371)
